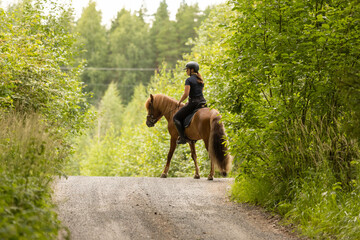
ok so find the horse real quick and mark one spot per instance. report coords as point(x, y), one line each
point(205, 125)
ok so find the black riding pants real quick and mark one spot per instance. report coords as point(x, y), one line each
point(187, 109)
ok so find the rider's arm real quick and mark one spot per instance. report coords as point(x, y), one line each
point(185, 94)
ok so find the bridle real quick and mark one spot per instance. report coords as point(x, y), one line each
point(150, 116)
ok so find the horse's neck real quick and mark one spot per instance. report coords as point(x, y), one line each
point(169, 109)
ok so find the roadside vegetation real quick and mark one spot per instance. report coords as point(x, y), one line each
point(284, 75)
point(41, 109)
point(291, 73)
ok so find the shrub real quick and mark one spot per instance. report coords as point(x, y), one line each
point(31, 153)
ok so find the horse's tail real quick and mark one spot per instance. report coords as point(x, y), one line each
point(218, 145)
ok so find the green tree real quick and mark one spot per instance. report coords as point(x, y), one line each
point(170, 39)
point(133, 113)
point(110, 111)
point(164, 37)
point(91, 155)
point(279, 71)
point(41, 109)
point(93, 42)
point(129, 48)
point(286, 85)
point(188, 19)
point(33, 47)
point(271, 44)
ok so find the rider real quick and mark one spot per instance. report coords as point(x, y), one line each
point(194, 86)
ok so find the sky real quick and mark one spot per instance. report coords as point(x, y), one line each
point(109, 8)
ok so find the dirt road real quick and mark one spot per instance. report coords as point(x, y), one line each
point(153, 208)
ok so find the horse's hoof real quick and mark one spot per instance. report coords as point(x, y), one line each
point(210, 177)
point(224, 174)
point(196, 176)
point(163, 175)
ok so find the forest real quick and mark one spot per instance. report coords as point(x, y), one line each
point(283, 74)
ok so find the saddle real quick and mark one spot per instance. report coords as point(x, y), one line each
point(189, 118)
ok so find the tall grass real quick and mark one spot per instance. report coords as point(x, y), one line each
point(311, 177)
point(30, 154)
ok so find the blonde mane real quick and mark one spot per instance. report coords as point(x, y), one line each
point(162, 103)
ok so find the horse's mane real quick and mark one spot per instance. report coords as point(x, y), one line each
point(162, 102)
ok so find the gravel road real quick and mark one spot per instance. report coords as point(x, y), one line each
point(153, 208)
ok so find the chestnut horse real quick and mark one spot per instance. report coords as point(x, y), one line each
point(205, 125)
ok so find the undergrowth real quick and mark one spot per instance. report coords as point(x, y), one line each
point(30, 154)
point(312, 180)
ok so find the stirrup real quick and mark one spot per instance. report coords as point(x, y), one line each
point(181, 140)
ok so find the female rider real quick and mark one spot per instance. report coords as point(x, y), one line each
point(194, 86)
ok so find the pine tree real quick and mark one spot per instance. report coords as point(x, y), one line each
point(163, 37)
point(94, 42)
point(133, 113)
point(129, 48)
point(187, 21)
point(110, 111)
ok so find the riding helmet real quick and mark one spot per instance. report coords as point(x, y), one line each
point(193, 65)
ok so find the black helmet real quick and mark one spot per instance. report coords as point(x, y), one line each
point(193, 65)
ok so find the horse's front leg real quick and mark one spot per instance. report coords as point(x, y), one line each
point(170, 154)
point(194, 157)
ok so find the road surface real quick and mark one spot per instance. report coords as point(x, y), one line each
point(154, 208)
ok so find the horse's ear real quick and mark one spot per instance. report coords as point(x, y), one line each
point(152, 98)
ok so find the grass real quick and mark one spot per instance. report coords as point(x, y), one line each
point(30, 154)
point(311, 178)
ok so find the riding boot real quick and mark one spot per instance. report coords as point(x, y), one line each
point(181, 131)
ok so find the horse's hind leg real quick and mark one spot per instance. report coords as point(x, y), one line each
point(170, 154)
point(212, 170)
point(194, 157)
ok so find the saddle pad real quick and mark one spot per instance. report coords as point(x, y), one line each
point(189, 118)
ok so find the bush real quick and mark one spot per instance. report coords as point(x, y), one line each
point(291, 66)
point(41, 108)
point(285, 76)
point(33, 48)
point(30, 155)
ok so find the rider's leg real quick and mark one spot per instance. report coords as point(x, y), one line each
point(178, 120)
point(181, 131)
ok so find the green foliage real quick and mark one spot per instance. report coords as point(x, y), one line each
point(324, 210)
point(131, 151)
point(130, 44)
point(94, 151)
point(286, 70)
point(130, 47)
point(93, 43)
point(170, 39)
point(188, 19)
point(41, 108)
point(163, 37)
point(133, 115)
point(110, 111)
point(33, 47)
point(286, 84)
point(30, 155)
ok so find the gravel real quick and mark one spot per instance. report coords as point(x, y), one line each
point(153, 208)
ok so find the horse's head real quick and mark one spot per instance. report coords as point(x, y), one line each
point(153, 113)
